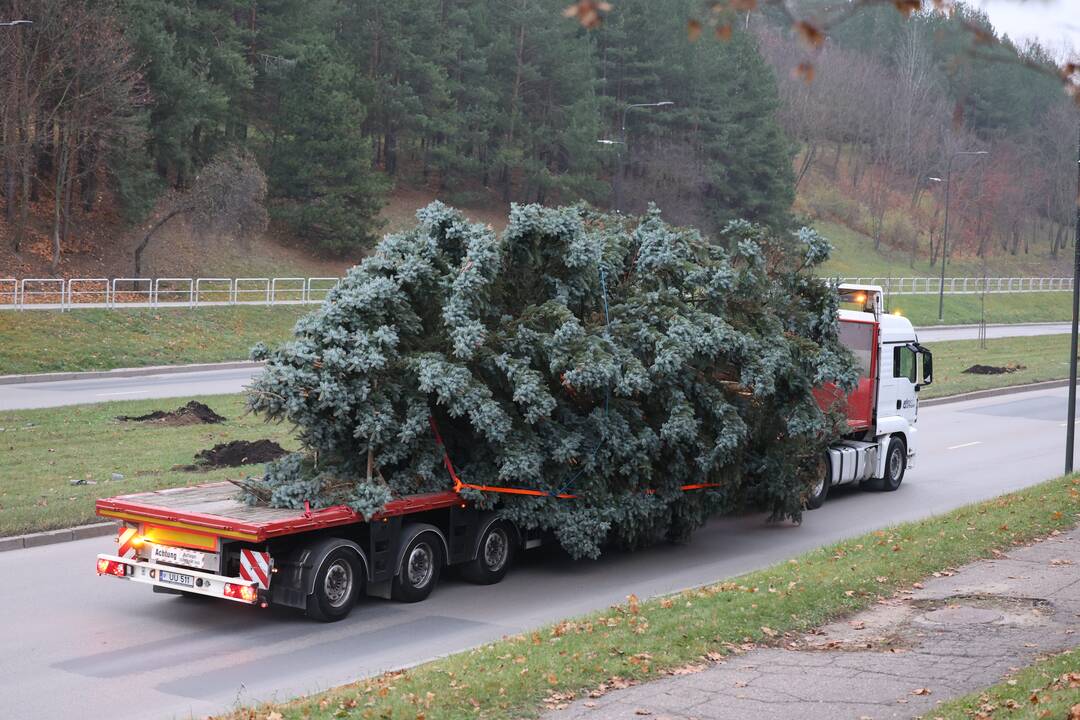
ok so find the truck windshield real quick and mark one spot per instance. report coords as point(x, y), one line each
point(859, 338)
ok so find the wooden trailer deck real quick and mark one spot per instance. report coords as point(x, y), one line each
point(213, 508)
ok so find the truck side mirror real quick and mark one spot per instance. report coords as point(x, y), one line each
point(925, 366)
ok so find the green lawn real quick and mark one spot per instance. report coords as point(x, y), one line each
point(638, 641)
point(1044, 358)
point(1047, 689)
point(43, 450)
point(922, 310)
point(46, 341)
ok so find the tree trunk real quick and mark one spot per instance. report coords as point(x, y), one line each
point(88, 173)
point(516, 93)
point(808, 158)
point(150, 233)
point(60, 185)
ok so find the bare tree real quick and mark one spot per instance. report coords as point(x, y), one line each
point(226, 198)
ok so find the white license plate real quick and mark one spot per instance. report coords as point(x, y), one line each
point(185, 557)
point(175, 578)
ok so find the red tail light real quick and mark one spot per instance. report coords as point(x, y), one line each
point(111, 567)
point(247, 593)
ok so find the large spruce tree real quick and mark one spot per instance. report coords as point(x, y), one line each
point(604, 362)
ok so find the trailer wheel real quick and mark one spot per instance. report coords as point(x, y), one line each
point(421, 564)
point(337, 585)
point(820, 489)
point(493, 556)
point(895, 465)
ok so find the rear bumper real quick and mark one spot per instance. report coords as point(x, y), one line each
point(203, 583)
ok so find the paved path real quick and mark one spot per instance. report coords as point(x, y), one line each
point(971, 332)
point(215, 382)
point(899, 659)
point(21, 396)
point(75, 645)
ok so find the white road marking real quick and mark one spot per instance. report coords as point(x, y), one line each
point(124, 392)
point(964, 445)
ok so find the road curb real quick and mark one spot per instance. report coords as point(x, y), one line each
point(974, 326)
point(51, 537)
point(125, 372)
point(994, 392)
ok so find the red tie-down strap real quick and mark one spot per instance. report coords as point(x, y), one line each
point(460, 485)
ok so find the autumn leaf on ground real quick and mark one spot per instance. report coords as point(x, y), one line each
point(769, 631)
point(921, 691)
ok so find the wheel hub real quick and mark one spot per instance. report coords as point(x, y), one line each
point(495, 550)
point(895, 465)
point(420, 565)
point(338, 583)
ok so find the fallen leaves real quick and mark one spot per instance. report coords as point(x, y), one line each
point(921, 691)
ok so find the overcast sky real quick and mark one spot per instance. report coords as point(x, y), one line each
point(1055, 23)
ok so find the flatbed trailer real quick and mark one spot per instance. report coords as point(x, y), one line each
point(203, 541)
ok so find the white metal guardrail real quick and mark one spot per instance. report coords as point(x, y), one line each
point(122, 292)
point(73, 293)
point(965, 285)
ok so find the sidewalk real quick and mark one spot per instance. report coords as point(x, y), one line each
point(949, 636)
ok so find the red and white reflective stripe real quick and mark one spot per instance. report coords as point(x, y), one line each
point(255, 566)
point(126, 541)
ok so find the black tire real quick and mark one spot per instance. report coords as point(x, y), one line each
point(895, 465)
point(337, 585)
point(421, 565)
point(815, 497)
point(494, 554)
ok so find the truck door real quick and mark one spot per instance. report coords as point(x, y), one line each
point(905, 372)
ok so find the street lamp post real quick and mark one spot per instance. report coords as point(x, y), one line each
point(1070, 432)
point(945, 235)
point(621, 143)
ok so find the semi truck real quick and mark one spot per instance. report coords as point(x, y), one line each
point(201, 541)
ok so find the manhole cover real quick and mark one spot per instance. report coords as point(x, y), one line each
point(962, 616)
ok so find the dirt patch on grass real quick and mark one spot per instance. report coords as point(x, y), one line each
point(194, 413)
point(994, 369)
point(237, 453)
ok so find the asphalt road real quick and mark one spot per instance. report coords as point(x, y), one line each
point(76, 645)
point(19, 396)
point(215, 382)
point(971, 332)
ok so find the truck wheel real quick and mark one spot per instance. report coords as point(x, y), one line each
point(493, 556)
point(895, 465)
point(337, 585)
point(820, 489)
point(420, 568)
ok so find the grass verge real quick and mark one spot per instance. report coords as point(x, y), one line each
point(1042, 358)
point(1048, 689)
point(44, 450)
point(637, 641)
point(922, 310)
point(46, 341)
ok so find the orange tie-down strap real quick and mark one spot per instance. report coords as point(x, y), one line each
point(460, 485)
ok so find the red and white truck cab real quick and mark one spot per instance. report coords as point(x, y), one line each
point(882, 411)
point(202, 541)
